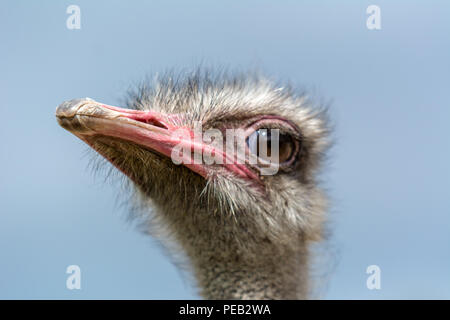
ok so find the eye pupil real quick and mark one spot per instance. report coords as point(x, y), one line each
point(262, 136)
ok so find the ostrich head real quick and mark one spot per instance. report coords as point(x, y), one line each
point(245, 231)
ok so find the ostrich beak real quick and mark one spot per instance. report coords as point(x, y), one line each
point(155, 131)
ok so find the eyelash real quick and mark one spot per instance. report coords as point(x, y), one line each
point(269, 124)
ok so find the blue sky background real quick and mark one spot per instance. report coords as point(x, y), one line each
point(388, 175)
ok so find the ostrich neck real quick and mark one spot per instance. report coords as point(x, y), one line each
point(229, 280)
point(267, 273)
point(234, 258)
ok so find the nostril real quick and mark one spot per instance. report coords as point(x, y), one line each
point(149, 119)
point(155, 123)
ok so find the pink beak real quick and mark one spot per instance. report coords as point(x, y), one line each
point(158, 132)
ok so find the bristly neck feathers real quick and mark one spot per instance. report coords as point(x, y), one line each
point(268, 275)
point(231, 259)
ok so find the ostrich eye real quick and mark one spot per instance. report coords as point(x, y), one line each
point(261, 137)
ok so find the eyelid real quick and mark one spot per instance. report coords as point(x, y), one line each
point(285, 127)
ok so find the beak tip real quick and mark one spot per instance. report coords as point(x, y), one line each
point(69, 108)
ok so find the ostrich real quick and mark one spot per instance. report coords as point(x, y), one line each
point(246, 235)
